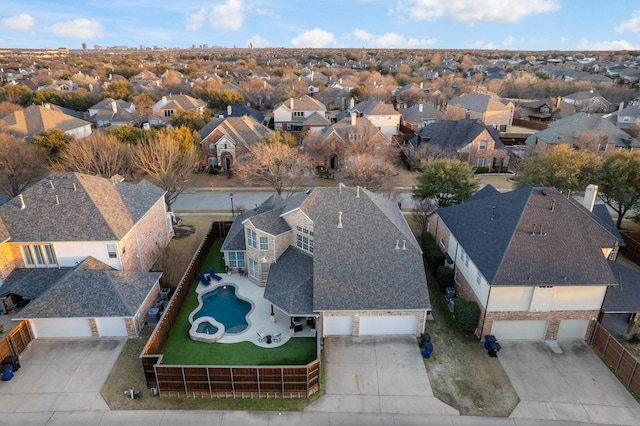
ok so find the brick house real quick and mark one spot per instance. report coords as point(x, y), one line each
point(470, 141)
point(342, 256)
point(224, 141)
point(487, 107)
point(53, 227)
point(535, 261)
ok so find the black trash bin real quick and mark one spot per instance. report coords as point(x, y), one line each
point(14, 360)
point(424, 337)
point(494, 347)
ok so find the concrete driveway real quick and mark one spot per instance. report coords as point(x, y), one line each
point(567, 383)
point(377, 375)
point(60, 375)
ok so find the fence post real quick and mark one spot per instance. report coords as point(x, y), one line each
point(633, 372)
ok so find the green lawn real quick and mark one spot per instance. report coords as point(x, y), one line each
point(181, 350)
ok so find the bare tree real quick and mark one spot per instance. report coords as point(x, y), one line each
point(592, 141)
point(98, 154)
point(166, 162)
point(455, 112)
point(423, 209)
point(21, 164)
point(7, 108)
point(277, 165)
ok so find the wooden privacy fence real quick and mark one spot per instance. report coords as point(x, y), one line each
point(16, 341)
point(632, 250)
point(617, 357)
point(218, 381)
point(238, 382)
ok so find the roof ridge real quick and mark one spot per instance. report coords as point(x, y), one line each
point(90, 196)
point(123, 300)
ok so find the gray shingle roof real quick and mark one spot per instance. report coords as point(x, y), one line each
point(415, 116)
point(270, 222)
point(235, 239)
point(290, 282)
point(32, 282)
point(497, 234)
point(87, 292)
point(455, 134)
point(625, 297)
point(479, 102)
point(89, 208)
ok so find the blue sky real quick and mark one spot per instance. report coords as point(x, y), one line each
point(432, 24)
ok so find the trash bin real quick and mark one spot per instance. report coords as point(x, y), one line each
point(494, 347)
point(488, 339)
point(14, 360)
point(427, 349)
point(424, 337)
point(6, 372)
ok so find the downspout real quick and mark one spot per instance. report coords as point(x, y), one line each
point(486, 308)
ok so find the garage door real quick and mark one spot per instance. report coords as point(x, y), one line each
point(400, 324)
point(111, 327)
point(337, 326)
point(61, 327)
point(572, 329)
point(519, 329)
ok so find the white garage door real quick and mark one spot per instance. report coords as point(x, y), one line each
point(61, 327)
point(519, 329)
point(111, 327)
point(398, 324)
point(572, 329)
point(334, 326)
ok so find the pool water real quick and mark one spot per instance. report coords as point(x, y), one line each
point(206, 328)
point(226, 307)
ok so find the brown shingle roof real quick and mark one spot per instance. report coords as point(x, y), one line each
point(36, 119)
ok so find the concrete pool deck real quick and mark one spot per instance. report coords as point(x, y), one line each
point(259, 317)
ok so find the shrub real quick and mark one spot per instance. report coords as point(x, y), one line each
point(214, 170)
point(435, 259)
point(480, 170)
point(427, 241)
point(503, 169)
point(466, 314)
point(444, 277)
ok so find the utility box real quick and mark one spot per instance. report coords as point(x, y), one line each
point(153, 316)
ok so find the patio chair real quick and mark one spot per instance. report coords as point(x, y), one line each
point(277, 336)
point(213, 275)
point(262, 337)
point(203, 279)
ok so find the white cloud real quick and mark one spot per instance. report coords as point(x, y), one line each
point(78, 28)
point(23, 22)
point(227, 16)
point(608, 45)
point(563, 39)
point(258, 41)
point(390, 39)
point(482, 44)
point(508, 41)
point(632, 24)
point(195, 20)
point(314, 38)
point(472, 11)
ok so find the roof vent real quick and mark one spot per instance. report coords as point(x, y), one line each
point(57, 199)
point(339, 219)
point(51, 183)
point(357, 191)
point(22, 204)
point(553, 205)
point(404, 244)
point(74, 186)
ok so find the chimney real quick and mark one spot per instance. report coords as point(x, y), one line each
point(114, 107)
point(420, 107)
point(558, 100)
point(590, 195)
point(339, 220)
point(164, 100)
point(621, 106)
point(291, 103)
point(311, 75)
point(352, 103)
point(22, 204)
point(229, 110)
point(353, 118)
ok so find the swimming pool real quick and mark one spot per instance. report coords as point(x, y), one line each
point(226, 307)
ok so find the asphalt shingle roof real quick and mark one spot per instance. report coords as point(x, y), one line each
point(498, 235)
point(36, 119)
point(625, 297)
point(455, 134)
point(290, 282)
point(479, 102)
point(76, 207)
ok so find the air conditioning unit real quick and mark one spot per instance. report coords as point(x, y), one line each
point(450, 293)
point(153, 316)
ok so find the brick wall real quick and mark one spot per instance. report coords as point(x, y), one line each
point(94, 327)
point(147, 237)
point(8, 261)
point(148, 303)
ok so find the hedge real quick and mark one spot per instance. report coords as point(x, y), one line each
point(444, 276)
point(466, 314)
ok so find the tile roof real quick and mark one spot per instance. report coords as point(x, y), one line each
point(70, 206)
point(625, 297)
point(290, 282)
point(498, 235)
point(36, 119)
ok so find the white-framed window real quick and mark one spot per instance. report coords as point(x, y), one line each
point(236, 259)
point(464, 258)
point(481, 162)
point(304, 239)
point(479, 279)
point(253, 268)
point(264, 271)
point(483, 145)
point(39, 256)
point(251, 238)
point(442, 243)
point(112, 251)
point(264, 243)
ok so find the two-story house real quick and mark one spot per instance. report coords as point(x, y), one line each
point(342, 256)
point(469, 141)
point(296, 114)
point(164, 109)
point(382, 115)
point(224, 141)
point(534, 260)
point(113, 112)
point(417, 116)
point(487, 107)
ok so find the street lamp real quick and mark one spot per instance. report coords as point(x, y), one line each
point(231, 197)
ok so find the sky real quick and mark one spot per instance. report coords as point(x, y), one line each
point(566, 25)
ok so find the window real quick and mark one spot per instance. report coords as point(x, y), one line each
point(253, 268)
point(264, 243)
point(168, 112)
point(463, 257)
point(442, 243)
point(298, 113)
point(264, 271)
point(251, 238)
point(481, 162)
point(112, 251)
point(39, 256)
point(483, 145)
point(479, 278)
point(236, 259)
point(304, 239)
point(212, 147)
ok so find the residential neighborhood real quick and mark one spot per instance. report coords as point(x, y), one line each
point(315, 285)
